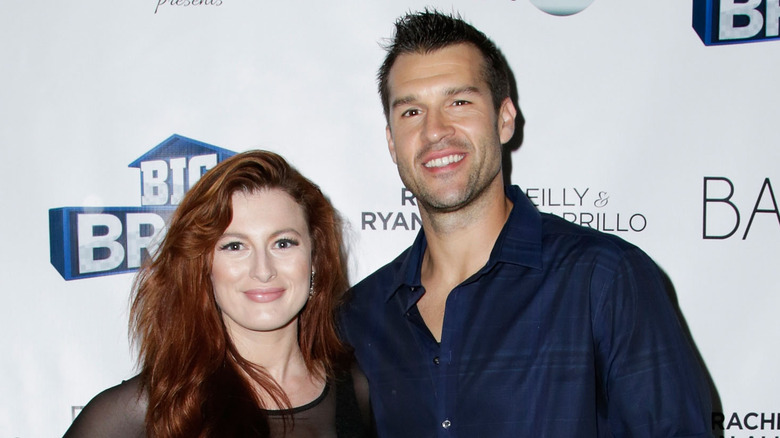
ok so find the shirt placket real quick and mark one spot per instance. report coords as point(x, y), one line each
point(438, 360)
point(446, 367)
point(445, 385)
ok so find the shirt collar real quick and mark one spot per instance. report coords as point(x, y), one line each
point(520, 243)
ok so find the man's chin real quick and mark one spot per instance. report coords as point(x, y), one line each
point(444, 203)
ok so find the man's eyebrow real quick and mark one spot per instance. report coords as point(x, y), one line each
point(402, 101)
point(466, 89)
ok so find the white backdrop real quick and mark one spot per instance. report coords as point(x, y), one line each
point(622, 100)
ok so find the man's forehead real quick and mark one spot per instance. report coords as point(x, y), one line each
point(457, 60)
point(465, 50)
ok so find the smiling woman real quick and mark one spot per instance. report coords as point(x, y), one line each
point(234, 317)
point(262, 266)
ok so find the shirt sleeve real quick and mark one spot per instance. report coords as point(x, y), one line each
point(653, 380)
point(117, 412)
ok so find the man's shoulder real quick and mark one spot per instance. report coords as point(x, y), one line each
point(560, 236)
point(364, 301)
point(381, 278)
point(555, 234)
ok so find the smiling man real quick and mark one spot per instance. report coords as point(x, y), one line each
point(500, 321)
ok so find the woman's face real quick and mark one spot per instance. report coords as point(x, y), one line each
point(261, 268)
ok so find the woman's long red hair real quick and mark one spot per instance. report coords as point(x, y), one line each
point(196, 381)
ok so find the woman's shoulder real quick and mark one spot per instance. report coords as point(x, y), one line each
point(118, 411)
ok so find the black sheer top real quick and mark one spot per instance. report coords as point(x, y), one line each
point(341, 411)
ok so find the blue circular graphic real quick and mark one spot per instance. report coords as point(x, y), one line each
point(562, 7)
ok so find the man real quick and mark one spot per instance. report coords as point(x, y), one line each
point(500, 321)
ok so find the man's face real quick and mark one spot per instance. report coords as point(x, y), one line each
point(443, 131)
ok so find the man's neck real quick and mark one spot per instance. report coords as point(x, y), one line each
point(460, 242)
point(459, 245)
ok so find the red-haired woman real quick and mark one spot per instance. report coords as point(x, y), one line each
point(234, 317)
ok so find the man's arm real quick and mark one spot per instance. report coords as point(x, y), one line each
point(653, 381)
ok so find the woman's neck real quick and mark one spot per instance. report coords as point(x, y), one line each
point(279, 355)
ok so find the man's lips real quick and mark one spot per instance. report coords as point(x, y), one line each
point(443, 161)
point(264, 295)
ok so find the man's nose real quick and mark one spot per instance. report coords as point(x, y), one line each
point(437, 126)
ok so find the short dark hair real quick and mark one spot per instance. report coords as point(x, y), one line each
point(430, 30)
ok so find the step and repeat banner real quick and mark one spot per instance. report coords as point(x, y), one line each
point(656, 121)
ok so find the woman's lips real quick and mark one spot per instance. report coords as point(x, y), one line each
point(264, 295)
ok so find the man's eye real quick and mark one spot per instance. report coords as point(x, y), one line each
point(460, 102)
point(410, 113)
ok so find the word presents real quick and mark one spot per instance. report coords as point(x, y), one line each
point(187, 3)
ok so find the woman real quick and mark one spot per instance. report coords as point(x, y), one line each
point(234, 318)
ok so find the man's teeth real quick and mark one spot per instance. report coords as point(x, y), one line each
point(443, 161)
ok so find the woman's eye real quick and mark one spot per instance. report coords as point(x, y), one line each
point(286, 243)
point(231, 246)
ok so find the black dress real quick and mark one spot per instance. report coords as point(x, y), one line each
point(341, 411)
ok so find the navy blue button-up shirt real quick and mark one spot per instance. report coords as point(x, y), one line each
point(565, 332)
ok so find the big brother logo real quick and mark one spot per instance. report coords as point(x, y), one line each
point(736, 21)
point(92, 241)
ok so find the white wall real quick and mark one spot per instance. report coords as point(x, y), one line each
point(622, 98)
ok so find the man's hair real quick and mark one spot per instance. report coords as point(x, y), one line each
point(430, 30)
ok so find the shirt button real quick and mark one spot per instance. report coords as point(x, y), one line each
point(436, 360)
point(446, 424)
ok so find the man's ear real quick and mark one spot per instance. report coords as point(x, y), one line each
point(390, 143)
point(506, 120)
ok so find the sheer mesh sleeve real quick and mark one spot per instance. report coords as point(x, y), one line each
point(117, 412)
point(360, 383)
